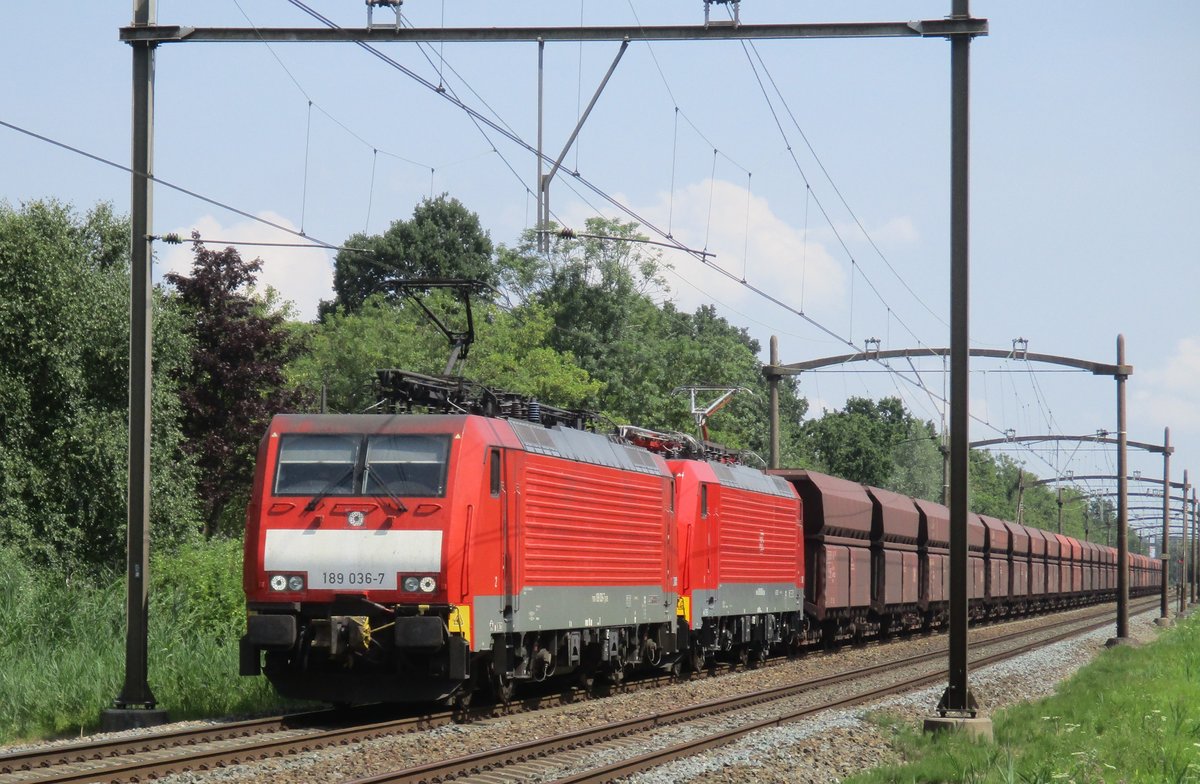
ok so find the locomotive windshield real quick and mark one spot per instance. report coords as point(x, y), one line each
point(350, 465)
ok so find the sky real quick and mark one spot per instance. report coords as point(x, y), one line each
point(815, 171)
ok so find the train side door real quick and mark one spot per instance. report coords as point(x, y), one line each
point(712, 539)
point(496, 531)
point(499, 493)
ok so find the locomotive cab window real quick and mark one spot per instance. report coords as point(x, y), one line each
point(312, 464)
point(345, 465)
point(406, 465)
point(703, 501)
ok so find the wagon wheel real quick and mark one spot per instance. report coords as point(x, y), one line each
point(461, 708)
point(503, 687)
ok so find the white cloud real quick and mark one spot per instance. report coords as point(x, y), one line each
point(751, 242)
point(897, 231)
point(303, 277)
point(751, 239)
point(1168, 394)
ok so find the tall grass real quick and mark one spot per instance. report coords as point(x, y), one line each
point(62, 643)
point(1133, 715)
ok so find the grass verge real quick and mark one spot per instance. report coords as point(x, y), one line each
point(1133, 715)
point(62, 643)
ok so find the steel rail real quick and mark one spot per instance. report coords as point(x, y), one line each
point(478, 763)
point(661, 756)
point(111, 760)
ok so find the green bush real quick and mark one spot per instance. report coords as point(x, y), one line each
point(1133, 715)
point(62, 642)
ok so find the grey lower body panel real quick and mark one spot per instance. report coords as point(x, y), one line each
point(746, 599)
point(546, 608)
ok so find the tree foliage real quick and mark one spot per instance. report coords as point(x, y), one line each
point(64, 380)
point(443, 239)
point(607, 296)
point(511, 353)
point(860, 442)
point(235, 380)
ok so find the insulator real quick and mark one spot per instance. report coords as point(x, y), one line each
point(535, 411)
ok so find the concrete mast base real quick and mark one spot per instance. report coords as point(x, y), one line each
point(977, 728)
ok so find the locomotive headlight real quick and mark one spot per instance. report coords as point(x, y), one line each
point(279, 583)
point(295, 583)
point(356, 519)
point(428, 584)
point(412, 584)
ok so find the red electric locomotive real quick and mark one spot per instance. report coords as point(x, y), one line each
point(385, 553)
point(741, 560)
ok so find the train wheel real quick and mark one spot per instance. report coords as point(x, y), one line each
point(697, 659)
point(503, 688)
point(743, 656)
point(462, 706)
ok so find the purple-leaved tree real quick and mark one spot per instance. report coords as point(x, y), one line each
point(236, 379)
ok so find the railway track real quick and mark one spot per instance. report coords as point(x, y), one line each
point(153, 755)
point(573, 750)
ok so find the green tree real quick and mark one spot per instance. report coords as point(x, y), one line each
point(64, 370)
point(235, 380)
point(514, 353)
point(591, 328)
point(861, 443)
point(994, 484)
point(598, 290)
point(608, 300)
point(511, 353)
point(917, 463)
point(443, 239)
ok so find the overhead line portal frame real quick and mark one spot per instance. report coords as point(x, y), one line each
point(136, 704)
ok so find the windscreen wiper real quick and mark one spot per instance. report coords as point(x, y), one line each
point(329, 488)
point(383, 485)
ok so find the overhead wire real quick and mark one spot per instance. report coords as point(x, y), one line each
point(447, 93)
point(854, 266)
point(837, 190)
point(168, 184)
point(304, 189)
point(479, 118)
point(820, 204)
point(308, 97)
point(516, 139)
point(329, 246)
